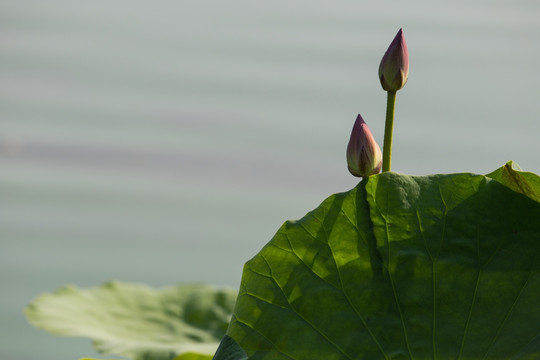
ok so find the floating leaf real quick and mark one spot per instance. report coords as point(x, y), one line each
point(137, 321)
point(193, 356)
point(400, 267)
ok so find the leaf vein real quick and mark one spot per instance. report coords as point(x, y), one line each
point(264, 336)
point(305, 320)
point(466, 329)
point(510, 309)
point(385, 218)
point(306, 265)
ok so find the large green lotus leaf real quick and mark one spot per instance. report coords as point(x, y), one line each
point(400, 267)
point(137, 321)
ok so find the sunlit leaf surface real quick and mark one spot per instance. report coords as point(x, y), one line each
point(400, 267)
point(520, 181)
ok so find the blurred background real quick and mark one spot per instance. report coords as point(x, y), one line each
point(166, 142)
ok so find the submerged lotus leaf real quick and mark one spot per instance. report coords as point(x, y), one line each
point(400, 267)
point(136, 321)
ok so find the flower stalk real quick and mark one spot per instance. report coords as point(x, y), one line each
point(388, 131)
point(393, 74)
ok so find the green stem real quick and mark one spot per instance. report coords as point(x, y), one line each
point(388, 128)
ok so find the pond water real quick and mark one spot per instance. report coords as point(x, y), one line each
point(166, 142)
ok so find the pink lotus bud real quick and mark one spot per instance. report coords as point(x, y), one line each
point(364, 155)
point(394, 67)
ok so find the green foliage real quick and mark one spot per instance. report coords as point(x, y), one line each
point(181, 322)
point(400, 267)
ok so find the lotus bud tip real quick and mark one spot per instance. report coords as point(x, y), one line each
point(394, 66)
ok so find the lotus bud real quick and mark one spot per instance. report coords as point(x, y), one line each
point(394, 67)
point(364, 155)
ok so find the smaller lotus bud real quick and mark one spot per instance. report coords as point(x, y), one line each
point(394, 67)
point(364, 155)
